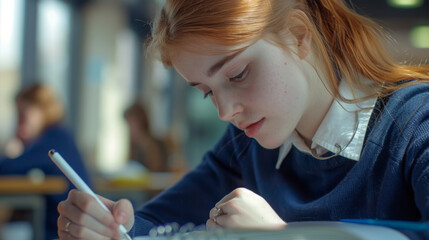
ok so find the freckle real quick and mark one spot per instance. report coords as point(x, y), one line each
point(285, 91)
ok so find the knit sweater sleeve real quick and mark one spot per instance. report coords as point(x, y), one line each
point(419, 173)
point(190, 200)
point(418, 156)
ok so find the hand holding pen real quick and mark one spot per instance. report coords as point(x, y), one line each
point(84, 215)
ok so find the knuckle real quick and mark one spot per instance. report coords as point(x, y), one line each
point(62, 207)
point(72, 193)
point(86, 204)
point(234, 202)
point(239, 191)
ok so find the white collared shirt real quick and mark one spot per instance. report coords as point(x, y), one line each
point(337, 127)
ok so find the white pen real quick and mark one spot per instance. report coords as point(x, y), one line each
point(79, 183)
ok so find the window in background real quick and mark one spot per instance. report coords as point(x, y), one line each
point(53, 28)
point(11, 20)
point(108, 72)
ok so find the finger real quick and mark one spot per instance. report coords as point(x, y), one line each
point(74, 231)
point(226, 198)
point(123, 213)
point(230, 207)
point(225, 221)
point(87, 204)
point(216, 211)
point(211, 225)
point(76, 216)
point(238, 192)
point(65, 236)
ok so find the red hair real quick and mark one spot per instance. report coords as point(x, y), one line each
point(351, 45)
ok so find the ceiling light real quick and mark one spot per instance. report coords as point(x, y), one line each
point(420, 36)
point(405, 3)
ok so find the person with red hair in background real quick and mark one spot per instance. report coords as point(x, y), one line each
point(145, 148)
point(324, 123)
point(39, 129)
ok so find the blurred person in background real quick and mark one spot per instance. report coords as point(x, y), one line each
point(39, 129)
point(145, 148)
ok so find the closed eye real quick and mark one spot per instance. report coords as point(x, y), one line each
point(240, 76)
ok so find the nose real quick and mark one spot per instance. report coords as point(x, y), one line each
point(228, 108)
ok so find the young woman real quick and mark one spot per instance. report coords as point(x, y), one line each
point(325, 124)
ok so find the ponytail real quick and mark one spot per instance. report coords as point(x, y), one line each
point(354, 45)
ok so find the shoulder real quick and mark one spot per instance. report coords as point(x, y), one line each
point(410, 98)
point(401, 116)
point(59, 138)
point(407, 104)
point(403, 120)
point(57, 132)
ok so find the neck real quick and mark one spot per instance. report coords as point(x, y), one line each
point(319, 102)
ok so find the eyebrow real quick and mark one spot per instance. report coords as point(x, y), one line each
point(222, 62)
point(217, 66)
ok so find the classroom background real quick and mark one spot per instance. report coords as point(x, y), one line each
point(90, 52)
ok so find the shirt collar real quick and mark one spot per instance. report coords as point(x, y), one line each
point(337, 127)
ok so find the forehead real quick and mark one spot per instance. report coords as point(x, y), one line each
point(200, 61)
point(194, 66)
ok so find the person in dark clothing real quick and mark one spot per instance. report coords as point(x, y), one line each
point(39, 129)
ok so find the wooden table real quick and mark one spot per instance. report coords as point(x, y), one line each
point(21, 192)
point(24, 185)
point(136, 189)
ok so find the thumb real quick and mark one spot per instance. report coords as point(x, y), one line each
point(123, 213)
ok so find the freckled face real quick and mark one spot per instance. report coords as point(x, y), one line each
point(262, 90)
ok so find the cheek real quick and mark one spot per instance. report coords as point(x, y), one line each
point(276, 87)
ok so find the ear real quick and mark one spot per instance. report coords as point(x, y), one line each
point(299, 27)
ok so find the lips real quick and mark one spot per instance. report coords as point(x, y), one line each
point(252, 129)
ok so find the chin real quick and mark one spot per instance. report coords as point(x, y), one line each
point(269, 143)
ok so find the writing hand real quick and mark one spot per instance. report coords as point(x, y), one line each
point(243, 208)
point(82, 217)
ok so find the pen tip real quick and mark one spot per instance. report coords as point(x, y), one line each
point(51, 152)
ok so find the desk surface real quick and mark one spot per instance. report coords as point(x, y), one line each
point(25, 185)
point(154, 182)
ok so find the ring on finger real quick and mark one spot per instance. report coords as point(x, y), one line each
point(218, 211)
point(67, 226)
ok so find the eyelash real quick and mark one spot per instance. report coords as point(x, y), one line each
point(236, 78)
point(240, 76)
point(207, 94)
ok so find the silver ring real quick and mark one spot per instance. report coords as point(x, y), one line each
point(218, 212)
point(67, 226)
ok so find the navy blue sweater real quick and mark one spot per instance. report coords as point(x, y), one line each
point(36, 156)
point(390, 181)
